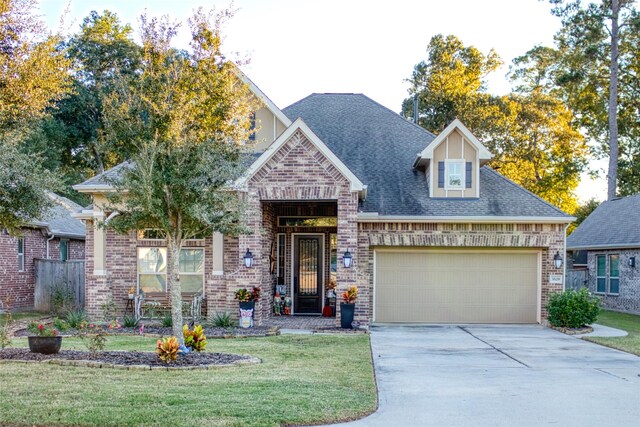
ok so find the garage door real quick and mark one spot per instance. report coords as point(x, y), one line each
point(456, 286)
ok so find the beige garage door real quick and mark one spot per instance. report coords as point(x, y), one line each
point(450, 286)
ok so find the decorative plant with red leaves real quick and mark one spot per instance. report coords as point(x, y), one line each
point(351, 295)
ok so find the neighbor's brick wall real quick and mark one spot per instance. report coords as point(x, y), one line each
point(75, 249)
point(628, 300)
point(16, 288)
point(548, 237)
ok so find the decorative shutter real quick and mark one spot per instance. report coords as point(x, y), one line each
point(468, 175)
point(440, 174)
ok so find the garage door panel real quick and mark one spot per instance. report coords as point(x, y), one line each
point(456, 287)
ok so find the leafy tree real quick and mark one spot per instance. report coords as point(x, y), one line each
point(582, 212)
point(187, 114)
point(530, 132)
point(72, 140)
point(597, 51)
point(33, 76)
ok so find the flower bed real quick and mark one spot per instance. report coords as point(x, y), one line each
point(156, 330)
point(135, 360)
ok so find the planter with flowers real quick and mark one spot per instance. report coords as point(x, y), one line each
point(132, 293)
point(44, 339)
point(347, 307)
point(247, 300)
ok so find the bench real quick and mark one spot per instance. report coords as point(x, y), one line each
point(156, 305)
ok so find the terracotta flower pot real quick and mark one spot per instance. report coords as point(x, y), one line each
point(45, 345)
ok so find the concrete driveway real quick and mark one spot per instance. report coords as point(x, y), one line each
point(479, 375)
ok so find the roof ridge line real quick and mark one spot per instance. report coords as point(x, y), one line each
point(398, 116)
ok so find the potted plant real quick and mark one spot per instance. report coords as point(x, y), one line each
point(247, 300)
point(132, 292)
point(44, 339)
point(347, 307)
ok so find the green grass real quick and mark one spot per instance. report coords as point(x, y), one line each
point(304, 379)
point(22, 315)
point(624, 321)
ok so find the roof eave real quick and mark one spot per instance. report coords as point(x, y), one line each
point(607, 246)
point(374, 217)
point(97, 188)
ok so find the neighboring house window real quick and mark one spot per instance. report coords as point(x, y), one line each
point(454, 175)
point(21, 254)
point(191, 270)
point(64, 246)
point(601, 273)
point(614, 274)
point(152, 270)
point(608, 274)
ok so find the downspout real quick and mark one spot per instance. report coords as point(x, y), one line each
point(48, 240)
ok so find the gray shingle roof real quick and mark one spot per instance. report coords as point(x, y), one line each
point(58, 220)
point(379, 147)
point(105, 177)
point(613, 224)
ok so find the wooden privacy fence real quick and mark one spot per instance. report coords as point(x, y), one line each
point(52, 274)
point(577, 279)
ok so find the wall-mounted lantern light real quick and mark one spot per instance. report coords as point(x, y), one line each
point(347, 259)
point(248, 259)
point(557, 260)
point(632, 262)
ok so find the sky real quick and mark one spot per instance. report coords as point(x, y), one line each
point(296, 48)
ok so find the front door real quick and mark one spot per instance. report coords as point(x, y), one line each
point(307, 274)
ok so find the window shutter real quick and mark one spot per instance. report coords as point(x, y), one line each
point(468, 175)
point(440, 174)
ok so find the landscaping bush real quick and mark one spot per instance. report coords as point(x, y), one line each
point(75, 318)
point(167, 321)
point(62, 299)
point(60, 324)
point(167, 349)
point(194, 339)
point(130, 321)
point(5, 336)
point(572, 309)
point(223, 320)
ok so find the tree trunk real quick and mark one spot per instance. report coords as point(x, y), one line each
point(612, 177)
point(175, 290)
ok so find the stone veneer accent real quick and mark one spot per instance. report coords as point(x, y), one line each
point(628, 299)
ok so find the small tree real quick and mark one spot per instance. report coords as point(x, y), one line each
point(188, 116)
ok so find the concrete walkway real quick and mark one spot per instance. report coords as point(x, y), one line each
point(604, 331)
point(479, 375)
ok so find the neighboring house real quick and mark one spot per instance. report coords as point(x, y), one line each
point(607, 245)
point(56, 236)
point(434, 235)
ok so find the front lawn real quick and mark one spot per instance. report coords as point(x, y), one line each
point(304, 379)
point(624, 321)
point(22, 315)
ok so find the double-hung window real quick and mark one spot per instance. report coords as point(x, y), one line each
point(608, 274)
point(454, 174)
point(152, 269)
point(21, 254)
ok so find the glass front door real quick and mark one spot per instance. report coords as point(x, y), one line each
point(307, 275)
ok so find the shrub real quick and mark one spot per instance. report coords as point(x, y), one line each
point(5, 337)
point(42, 330)
point(223, 320)
point(108, 310)
point(195, 339)
point(60, 324)
point(130, 321)
point(62, 299)
point(93, 337)
point(167, 321)
point(244, 295)
point(572, 309)
point(167, 349)
point(75, 318)
point(350, 296)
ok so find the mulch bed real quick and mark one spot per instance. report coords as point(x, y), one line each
point(140, 360)
point(155, 330)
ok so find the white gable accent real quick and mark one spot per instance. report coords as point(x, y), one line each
point(483, 153)
point(264, 98)
point(299, 124)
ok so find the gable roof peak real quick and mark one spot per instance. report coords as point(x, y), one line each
point(456, 124)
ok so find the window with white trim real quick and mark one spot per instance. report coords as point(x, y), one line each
point(21, 254)
point(608, 274)
point(152, 269)
point(454, 174)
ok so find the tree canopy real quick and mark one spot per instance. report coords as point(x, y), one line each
point(188, 115)
point(34, 74)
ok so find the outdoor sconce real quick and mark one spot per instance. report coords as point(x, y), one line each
point(632, 262)
point(248, 259)
point(347, 259)
point(557, 260)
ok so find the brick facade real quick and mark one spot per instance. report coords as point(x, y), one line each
point(628, 299)
point(294, 181)
point(17, 287)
